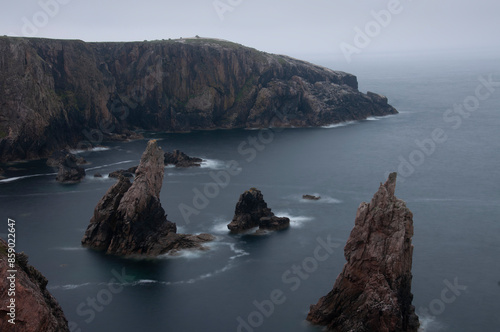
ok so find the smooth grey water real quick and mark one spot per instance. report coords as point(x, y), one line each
point(451, 187)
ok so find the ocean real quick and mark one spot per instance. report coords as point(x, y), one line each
point(444, 144)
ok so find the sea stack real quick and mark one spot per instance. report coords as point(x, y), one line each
point(373, 292)
point(129, 219)
point(35, 308)
point(252, 211)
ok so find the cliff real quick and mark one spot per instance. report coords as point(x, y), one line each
point(35, 308)
point(373, 292)
point(129, 219)
point(59, 93)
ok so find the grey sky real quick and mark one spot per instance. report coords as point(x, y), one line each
point(291, 27)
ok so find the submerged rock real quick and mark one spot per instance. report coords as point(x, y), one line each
point(252, 211)
point(311, 197)
point(35, 308)
point(180, 159)
point(373, 292)
point(129, 219)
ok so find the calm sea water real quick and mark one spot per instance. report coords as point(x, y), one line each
point(449, 178)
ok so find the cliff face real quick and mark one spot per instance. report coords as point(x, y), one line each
point(373, 292)
point(54, 93)
point(36, 309)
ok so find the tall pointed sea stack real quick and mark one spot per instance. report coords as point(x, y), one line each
point(373, 292)
point(129, 219)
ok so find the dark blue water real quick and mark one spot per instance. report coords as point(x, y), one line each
point(450, 181)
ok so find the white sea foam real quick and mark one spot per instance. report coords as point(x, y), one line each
point(220, 227)
point(69, 248)
point(295, 221)
point(96, 149)
point(213, 164)
point(108, 165)
point(24, 177)
point(428, 324)
point(337, 125)
point(373, 118)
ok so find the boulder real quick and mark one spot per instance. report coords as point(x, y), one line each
point(373, 291)
point(69, 169)
point(252, 211)
point(180, 159)
point(311, 197)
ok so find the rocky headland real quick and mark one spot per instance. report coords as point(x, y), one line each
point(373, 292)
point(251, 211)
point(60, 93)
point(35, 308)
point(129, 220)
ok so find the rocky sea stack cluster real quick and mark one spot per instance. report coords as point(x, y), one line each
point(129, 220)
point(373, 292)
point(251, 211)
point(35, 308)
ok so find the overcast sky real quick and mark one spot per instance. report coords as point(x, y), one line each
point(293, 27)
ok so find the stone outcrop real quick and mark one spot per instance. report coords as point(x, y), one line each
point(58, 93)
point(69, 169)
point(129, 219)
point(129, 173)
point(373, 292)
point(311, 197)
point(36, 309)
point(252, 211)
point(180, 159)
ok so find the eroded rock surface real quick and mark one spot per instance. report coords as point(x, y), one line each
point(180, 159)
point(373, 292)
point(57, 93)
point(252, 211)
point(36, 309)
point(129, 219)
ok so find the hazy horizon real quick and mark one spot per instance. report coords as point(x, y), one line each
point(290, 27)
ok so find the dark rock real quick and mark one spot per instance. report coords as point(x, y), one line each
point(373, 292)
point(121, 172)
point(36, 309)
point(98, 175)
point(53, 91)
point(129, 219)
point(69, 171)
point(61, 156)
point(311, 197)
point(180, 159)
point(129, 173)
point(252, 211)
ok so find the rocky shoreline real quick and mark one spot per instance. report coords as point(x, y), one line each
point(68, 93)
